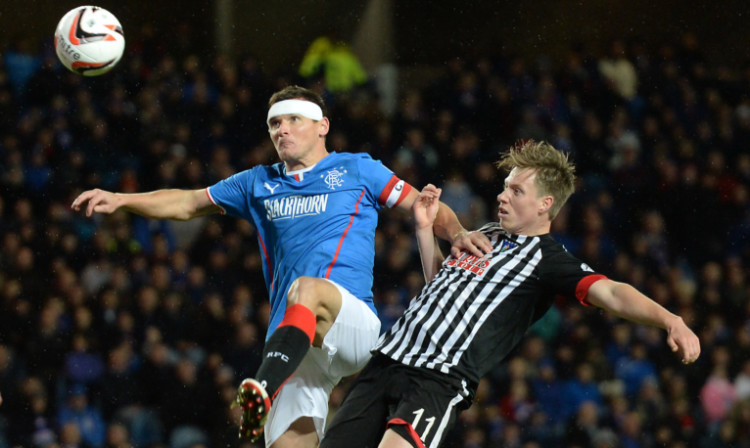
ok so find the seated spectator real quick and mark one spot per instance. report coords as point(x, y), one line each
point(118, 436)
point(635, 369)
point(742, 382)
point(78, 411)
point(82, 366)
point(579, 390)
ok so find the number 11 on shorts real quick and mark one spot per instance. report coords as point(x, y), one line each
point(417, 417)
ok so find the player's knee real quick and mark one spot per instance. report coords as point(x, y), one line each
point(304, 291)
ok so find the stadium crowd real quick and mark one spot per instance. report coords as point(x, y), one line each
point(119, 331)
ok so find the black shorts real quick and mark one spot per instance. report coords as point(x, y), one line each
point(419, 404)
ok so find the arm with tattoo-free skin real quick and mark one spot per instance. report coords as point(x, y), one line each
point(180, 205)
point(627, 302)
point(425, 209)
point(447, 227)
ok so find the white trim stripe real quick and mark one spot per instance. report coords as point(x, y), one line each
point(446, 419)
point(210, 198)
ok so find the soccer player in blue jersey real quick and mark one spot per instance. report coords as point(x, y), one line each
point(315, 213)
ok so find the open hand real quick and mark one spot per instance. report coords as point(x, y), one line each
point(96, 201)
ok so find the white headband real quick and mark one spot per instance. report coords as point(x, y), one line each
point(299, 107)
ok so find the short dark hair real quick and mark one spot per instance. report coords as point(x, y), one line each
point(297, 92)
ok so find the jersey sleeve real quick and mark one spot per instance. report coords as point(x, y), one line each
point(385, 187)
point(568, 276)
point(232, 194)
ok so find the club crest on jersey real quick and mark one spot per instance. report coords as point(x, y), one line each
point(334, 178)
point(507, 245)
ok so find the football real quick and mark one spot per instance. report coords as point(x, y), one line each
point(89, 40)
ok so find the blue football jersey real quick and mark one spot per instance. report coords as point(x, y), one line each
point(316, 222)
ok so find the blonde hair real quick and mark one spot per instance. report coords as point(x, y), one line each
point(555, 174)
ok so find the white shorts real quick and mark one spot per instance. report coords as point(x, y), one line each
point(346, 349)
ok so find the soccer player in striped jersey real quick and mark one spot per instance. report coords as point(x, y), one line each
point(474, 310)
point(315, 213)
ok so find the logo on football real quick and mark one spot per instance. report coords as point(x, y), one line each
point(89, 40)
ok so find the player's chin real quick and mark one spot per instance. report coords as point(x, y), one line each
point(285, 155)
point(507, 226)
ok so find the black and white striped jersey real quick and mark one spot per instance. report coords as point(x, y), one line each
point(475, 310)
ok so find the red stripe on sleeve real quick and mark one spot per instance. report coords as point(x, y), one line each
point(387, 190)
point(582, 290)
point(409, 428)
point(341, 241)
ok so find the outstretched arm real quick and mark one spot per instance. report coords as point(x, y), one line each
point(625, 301)
point(425, 210)
point(179, 205)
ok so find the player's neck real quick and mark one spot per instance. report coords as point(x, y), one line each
point(536, 230)
point(306, 162)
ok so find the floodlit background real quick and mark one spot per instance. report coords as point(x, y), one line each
point(118, 330)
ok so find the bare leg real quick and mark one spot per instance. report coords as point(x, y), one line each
point(301, 434)
point(391, 439)
point(312, 307)
point(319, 296)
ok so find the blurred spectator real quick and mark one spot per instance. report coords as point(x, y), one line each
point(82, 366)
point(579, 390)
point(21, 63)
point(583, 426)
point(659, 136)
point(244, 352)
point(635, 369)
point(32, 420)
point(742, 381)
point(620, 71)
point(718, 393)
point(517, 405)
point(416, 159)
point(70, 436)
point(331, 59)
point(117, 436)
point(77, 411)
point(631, 431)
point(119, 386)
point(548, 393)
point(391, 307)
point(185, 401)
